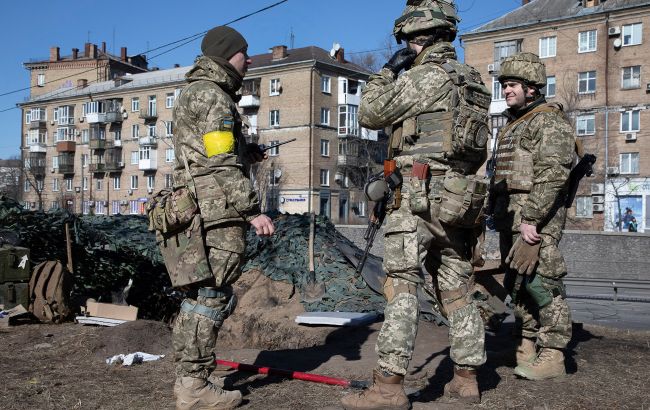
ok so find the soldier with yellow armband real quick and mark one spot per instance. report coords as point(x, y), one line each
point(212, 156)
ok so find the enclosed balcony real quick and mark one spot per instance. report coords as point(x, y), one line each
point(66, 146)
point(151, 141)
point(348, 161)
point(97, 167)
point(66, 168)
point(37, 163)
point(150, 164)
point(148, 114)
point(97, 144)
point(248, 101)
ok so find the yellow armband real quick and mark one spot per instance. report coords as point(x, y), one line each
point(218, 142)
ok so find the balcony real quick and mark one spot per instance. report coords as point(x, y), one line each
point(114, 166)
point(148, 141)
point(97, 144)
point(66, 168)
point(66, 146)
point(37, 163)
point(348, 161)
point(97, 167)
point(38, 147)
point(95, 117)
point(38, 125)
point(66, 121)
point(114, 116)
point(148, 115)
point(148, 164)
point(248, 101)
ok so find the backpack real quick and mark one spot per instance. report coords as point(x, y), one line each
point(49, 292)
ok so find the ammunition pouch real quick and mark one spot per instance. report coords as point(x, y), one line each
point(463, 200)
point(217, 314)
point(454, 299)
point(171, 210)
point(395, 286)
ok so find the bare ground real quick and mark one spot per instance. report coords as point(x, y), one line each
point(62, 366)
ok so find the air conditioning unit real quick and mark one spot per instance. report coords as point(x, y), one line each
point(81, 119)
point(120, 164)
point(614, 31)
point(130, 192)
point(150, 190)
point(124, 202)
point(491, 68)
point(598, 199)
point(52, 170)
point(630, 137)
point(53, 122)
point(612, 171)
point(599, 208)
point(597, 189)
point(77, 132)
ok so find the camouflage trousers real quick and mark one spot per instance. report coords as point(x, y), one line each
point(551, 324)
point(202, 314)
point(412, 244)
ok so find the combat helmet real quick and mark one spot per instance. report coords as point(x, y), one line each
point(425, 15)
point(525, 67)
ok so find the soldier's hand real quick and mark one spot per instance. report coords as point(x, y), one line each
point(255, 153)
point(529, 233)
point(523, 256)
point(263, 225)
point(400, 60)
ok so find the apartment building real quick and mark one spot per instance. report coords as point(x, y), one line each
point(102, 147)
point(597, 61)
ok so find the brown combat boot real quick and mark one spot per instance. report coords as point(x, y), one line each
point(216, 380)
point(548, 364)
point(463, 386)
point(198, 394)
point(386, 393)
point(526, 352)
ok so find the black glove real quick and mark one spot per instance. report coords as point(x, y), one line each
point(400, 60)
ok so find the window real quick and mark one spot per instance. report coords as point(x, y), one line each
point(586, 124)
point(117, 183)
point(84, 160)
point(584, 207)
point(26, 186)
point(549, 90)
point(40, 80)
point(84, 183)
point(631, 77)
point(325, 177)
point(275, 151)
point(169, 155)
point(630, 163)
point(326, 84)
point(361, 207)
point(169, 180)
point(151, 130)
point(505, 49)
point(134, 182)
point(587, 41)
point(274, 118)
point(85, 136)
point(630, 121)
point(632, 34)
point(274, 176)
point(547, 47)
point(274, 87)
point(135, 157)
point(145, 153)
point(587, 82)
point(54, 205)
point(348, 123)
point(68, 184)
point(135, 131)
point(55, 184)
point(99, 184)
point(497, 90)
point(40, 185)
point(115, 207)
point(325, 116)
point(169, 100)
point(152, 107)
point(117, 135)
point(325, 148)
point(55, 162)
point(99, 208)
point(151, 182)
point(169, 128)
point(134, 207)
point(86, 207)
point(135, 104)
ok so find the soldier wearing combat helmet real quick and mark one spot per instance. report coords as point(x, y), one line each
point(532, 165)
point(438, 112)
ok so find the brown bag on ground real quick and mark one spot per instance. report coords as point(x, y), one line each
point(49, 292)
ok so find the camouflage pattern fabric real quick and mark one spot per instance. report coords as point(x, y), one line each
point(415, 240)
point(523, 66)
point(549, 139)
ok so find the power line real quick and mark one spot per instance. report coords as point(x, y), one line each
point(184, 41)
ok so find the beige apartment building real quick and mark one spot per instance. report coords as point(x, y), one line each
point(100, 141)
point(598, 66)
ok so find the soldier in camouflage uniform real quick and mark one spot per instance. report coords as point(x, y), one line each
point(438, 110)
point(208, 141)
point(533, 162)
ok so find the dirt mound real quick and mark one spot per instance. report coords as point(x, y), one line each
point(264, 317)
point(146, 336)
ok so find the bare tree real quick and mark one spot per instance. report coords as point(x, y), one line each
point(33, 174)
point(267, 177)
point(618, 186)
point(10, 177)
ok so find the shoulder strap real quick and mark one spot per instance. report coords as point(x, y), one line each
point(529, 116)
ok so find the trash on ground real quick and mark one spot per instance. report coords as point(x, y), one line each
point(133, 358)
point(336, 318)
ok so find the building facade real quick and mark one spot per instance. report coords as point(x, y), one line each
point(103, 147)
point(597, 61)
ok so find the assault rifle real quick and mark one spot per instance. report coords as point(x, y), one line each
point(264, 147)
point(585, 167)
point(374, 224)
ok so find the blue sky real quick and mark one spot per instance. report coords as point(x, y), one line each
point(29, 29)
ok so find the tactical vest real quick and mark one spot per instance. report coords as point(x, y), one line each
point(460, 133)
point(514, 165)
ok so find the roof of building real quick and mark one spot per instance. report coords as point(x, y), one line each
point(299, 55)
point(172, 75)
point(539, 11)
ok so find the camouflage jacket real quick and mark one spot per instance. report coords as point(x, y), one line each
point(424, 88)
point(205, 105)
point(550, 139)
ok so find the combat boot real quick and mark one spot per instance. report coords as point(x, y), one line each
point(526, 352)
point(463, 386)
point(199, 394)
point(548, 364)
point(386, 393)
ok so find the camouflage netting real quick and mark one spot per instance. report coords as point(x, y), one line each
point(109, 251)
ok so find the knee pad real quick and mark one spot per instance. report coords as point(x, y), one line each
point(395, 286)
point(455, 299)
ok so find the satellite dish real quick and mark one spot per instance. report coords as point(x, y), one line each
point(617, 43)
point(277, 173)
point(335, 47)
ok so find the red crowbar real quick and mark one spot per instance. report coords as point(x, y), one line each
point(310, 377)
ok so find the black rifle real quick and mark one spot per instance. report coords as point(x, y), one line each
point(374, 224)
point(585, 167)
point(263, 147)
